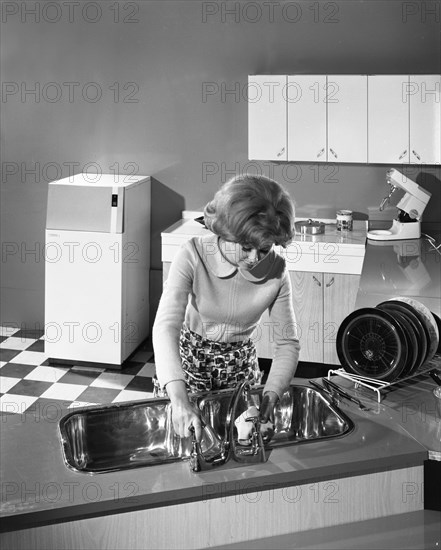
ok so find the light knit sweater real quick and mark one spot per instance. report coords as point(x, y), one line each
point(221, 302)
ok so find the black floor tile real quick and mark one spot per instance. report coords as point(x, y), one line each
point(131, 367)
point(36, 346)
point(140, 383)
point(98, 395)
point(8, 354)
point(16, 370)
point(33, 388)
point(83, 378)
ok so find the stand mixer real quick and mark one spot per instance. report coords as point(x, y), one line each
point(407, 224)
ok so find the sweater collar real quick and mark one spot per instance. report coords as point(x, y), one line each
point(222, 268)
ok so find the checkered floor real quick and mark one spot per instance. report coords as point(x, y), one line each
point(29, 383)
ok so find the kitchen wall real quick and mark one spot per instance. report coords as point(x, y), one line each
point(159, 88)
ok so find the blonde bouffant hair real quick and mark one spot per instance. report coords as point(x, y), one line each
point(252, 210)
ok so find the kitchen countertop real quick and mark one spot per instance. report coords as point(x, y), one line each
point(38, 488)
point(187, 226)
point(406, 268)
point(401, 268)
point(410, 405)
point(330, 252)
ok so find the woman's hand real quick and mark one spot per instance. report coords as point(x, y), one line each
point(184, 415)
point(267, 407)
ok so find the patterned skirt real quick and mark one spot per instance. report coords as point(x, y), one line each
point(209, 365)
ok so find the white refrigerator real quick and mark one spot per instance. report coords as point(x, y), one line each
point(97, 262)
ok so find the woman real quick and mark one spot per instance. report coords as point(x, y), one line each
point(217, 289)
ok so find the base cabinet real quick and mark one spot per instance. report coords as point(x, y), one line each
point(251, 512)
point(307, 296)
point(339, 296)
point(321, 302)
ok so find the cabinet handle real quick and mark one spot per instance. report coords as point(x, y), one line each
point(402, 154)
point(331, 282)
point(316, 280)
point(320, 153)
point(334, 153)
point(280, 153)
point(416, 154)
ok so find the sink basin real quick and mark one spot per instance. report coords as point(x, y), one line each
point(130, 435)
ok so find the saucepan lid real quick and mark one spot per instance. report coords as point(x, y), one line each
point(310, 227)
point(370, 342)
point(428, 321)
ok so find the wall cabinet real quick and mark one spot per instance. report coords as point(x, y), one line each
point(321, 302)
point(267, 117)
point(424, 93)
point(327, 118)
point(404, 123)
point(388, 119)
point(306, 123)
point(378, 119)
point(347, 118)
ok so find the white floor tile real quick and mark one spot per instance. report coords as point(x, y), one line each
point(17, 343)
point(64, 391)
point(130, 395)
point(7, 382)
point(46, 373)
point(17, 404)
point(29, 358)
point(112, 380)
point(8, 331)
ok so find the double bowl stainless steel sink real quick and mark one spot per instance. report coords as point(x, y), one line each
point(129, 435)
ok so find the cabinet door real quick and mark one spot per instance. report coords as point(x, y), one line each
point(267, 117)
point(347, 118)
point(306, 97)
point(339, 295)
point(425, 118)
point(388, 119)
point(307, 291)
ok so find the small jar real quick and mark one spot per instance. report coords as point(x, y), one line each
point(344, 220)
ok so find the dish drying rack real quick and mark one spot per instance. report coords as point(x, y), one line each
point(378, 385)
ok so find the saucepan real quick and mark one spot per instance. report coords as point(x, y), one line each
point(310, 227)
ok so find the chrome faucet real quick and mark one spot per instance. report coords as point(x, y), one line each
point(255, 452)
point(199, 462)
